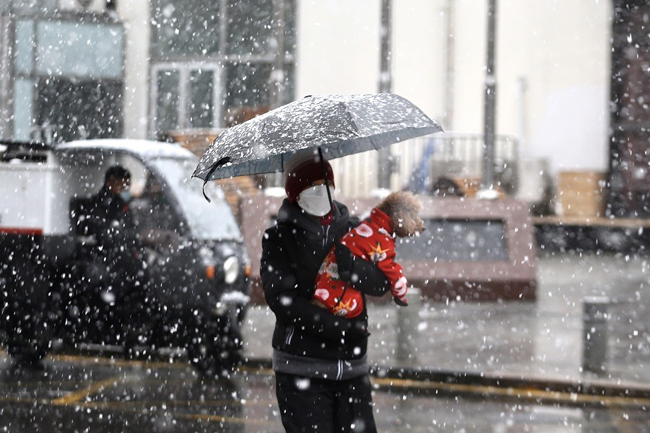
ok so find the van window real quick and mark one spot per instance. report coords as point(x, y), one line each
point(206, 220)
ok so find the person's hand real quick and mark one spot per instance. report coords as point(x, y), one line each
point(344, 261)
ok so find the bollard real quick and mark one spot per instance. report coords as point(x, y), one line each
point(407, 327)
point(594, 333)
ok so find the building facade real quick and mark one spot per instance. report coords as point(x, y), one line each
point(141, 69)
point(97, 68)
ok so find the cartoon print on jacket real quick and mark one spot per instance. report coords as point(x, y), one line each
point(371, 240)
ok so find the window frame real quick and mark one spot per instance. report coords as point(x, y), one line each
point(185, 69)
point(221, 61)
point(27, 129)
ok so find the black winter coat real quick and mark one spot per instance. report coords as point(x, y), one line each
point(292, 253)
point(109, 220)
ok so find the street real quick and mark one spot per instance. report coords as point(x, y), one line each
point(511, 367)
point(73, 393)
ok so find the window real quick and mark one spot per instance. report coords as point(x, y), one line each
point(185, 95)
point(185, 28)
point(28, 6)
point(247, 84)
point(250, 27)
point(68, 78)
point(87, 50)
point(200, 215)
point(79, 109)
point(213, 59)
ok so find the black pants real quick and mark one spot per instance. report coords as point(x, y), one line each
point(325, 406)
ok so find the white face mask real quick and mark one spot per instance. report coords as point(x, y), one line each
point(126, 196)
point(314, 200)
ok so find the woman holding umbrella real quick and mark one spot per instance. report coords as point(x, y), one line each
point(319, 359)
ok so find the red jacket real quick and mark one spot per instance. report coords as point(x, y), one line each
point(372, 240)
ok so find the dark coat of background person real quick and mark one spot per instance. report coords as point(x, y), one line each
point(115, 248)
point(112, 225)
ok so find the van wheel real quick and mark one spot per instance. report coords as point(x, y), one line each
point(29, 348)
point(31, 312)
point(28, 353)
point(217, 356)
point(30, 338)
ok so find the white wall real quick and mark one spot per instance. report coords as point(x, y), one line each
point(560, 49)
point(338, 47)
point(570, 121)
point(418, 54)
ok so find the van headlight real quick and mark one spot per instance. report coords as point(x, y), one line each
point(231, 269)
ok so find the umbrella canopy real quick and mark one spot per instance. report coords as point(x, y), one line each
point(339, 124)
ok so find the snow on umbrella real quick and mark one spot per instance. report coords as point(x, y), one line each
point(338, 125)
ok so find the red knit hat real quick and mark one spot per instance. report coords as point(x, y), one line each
point(302, 170)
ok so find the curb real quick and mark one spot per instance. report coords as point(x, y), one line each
point(423, 381)
point(595, 387)
point(482, 385)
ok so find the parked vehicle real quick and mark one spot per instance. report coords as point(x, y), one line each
point(193, 265)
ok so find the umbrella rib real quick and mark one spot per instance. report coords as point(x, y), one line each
point(374, 143)
point(220, 163)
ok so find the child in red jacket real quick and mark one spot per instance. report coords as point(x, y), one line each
point(372, 240)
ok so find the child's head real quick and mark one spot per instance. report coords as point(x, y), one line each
point(403, 208)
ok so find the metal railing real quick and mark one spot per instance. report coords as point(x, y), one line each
point(416, 163)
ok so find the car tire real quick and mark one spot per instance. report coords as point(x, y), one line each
point(32, 316)
point(28, 353)
point(34, 341)
point(219, 351)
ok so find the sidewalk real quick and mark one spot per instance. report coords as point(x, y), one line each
point(535, 342)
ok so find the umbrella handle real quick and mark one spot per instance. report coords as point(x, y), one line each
point(327, 184)
point(220, 163)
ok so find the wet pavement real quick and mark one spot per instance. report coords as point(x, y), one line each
point(72, 393)
point(86, 394)
point(490, 367)
point(540, 341)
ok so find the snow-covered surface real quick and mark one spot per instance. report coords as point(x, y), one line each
point(36, 196)
point(143, 148)
point(339, 124)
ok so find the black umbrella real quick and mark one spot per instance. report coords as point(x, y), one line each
point(338, 125)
